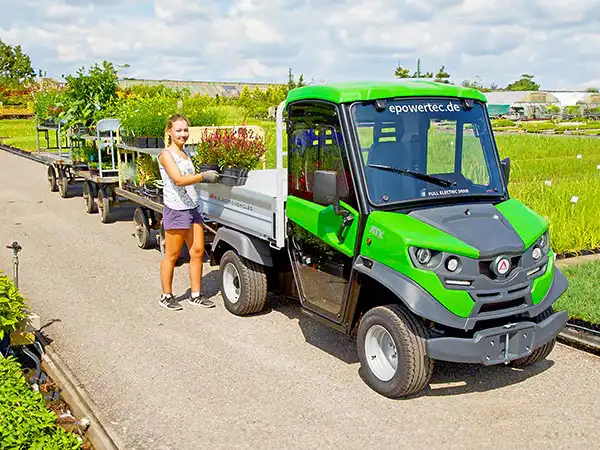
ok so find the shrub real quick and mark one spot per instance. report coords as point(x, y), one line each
point(25, 423)
point(12, 306)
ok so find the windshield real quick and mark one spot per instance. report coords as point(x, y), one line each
point(421, 149)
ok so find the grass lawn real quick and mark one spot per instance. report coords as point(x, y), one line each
point(19, 133)
point(582, 298)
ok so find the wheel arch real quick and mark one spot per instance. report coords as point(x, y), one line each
point(381, 284)
point(249, 247)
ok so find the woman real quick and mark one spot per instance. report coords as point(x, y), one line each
point(182, 213)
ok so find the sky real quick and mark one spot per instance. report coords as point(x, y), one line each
point(326, 41)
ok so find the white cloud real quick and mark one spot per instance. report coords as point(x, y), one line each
point(258, 40)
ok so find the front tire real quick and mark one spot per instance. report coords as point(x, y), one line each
point(392, 352)
point(243, 284)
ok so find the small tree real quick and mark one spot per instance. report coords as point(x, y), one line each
point(525, 83)
point(401, 72)
point(15, 66)
point(292, 83)
point(442, 76)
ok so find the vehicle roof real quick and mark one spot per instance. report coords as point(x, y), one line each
point(353, 91)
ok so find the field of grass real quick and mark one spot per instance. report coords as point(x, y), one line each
point(581, 299)
point(558, 177)
point(19, 133)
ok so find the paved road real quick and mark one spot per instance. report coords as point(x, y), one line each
point(208, 379)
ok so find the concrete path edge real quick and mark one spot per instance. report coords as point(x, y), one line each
point(80, 403)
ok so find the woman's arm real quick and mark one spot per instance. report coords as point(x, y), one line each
point(166, 159)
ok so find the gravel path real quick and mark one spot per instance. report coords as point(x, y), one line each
point(207, 379)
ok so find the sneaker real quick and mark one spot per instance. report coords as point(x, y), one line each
point(168, 301)
point(201, 300)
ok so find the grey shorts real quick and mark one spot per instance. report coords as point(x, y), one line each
point(174, 219)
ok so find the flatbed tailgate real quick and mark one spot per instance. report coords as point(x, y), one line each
point(250, 208)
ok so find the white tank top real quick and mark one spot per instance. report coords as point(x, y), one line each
point(179, 197)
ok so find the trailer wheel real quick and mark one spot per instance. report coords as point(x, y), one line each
point(103, 204)
point(52, 179)
point(392, 352)
point(142, 229)
point(539, 353)
point(63, 185)
point(243, 284)
point(89, 197)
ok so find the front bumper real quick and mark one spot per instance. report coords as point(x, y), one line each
point(498, 345)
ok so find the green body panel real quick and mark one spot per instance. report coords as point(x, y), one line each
point(528, 224)
point(323, 222)
point(391, 234)
point(413, 232)
point(541, 285)
point(365, 91)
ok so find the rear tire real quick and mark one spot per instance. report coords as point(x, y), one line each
point(243, 284)
point(539, 353)
point(392, 352)
point(142, 229)
point(52, 179)
point(103, 205)
point(89, 197)
point(63, 185)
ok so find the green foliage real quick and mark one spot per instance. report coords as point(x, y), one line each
point(401, 72)
point(498, 123)
point(88, 93)
point(15, 66)
point(25, 423)
point(12, 306)
point(292, 83)
point(147, 170)
point(525, 83)
point(48, 104)
point(146, 116)
point(442, 76)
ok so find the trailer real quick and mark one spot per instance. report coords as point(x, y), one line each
point(98, 182)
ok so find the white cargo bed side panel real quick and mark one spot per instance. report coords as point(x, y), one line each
point(249, 208)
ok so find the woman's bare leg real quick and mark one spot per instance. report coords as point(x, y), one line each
point(174, 240)
point(195, 242)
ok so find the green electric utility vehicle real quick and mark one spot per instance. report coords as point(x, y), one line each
point(392, 221)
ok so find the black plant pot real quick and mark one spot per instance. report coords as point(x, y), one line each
point(204, 167)
point(4, 344)
point(233, 176)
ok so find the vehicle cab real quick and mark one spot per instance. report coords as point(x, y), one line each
point(401, 230)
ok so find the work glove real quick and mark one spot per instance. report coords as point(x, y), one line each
point(210, 176)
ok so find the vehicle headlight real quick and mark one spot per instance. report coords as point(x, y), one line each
point(424, 255)
point(452, 264)
point(541, 247)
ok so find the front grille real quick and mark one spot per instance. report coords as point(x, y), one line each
point(502, 305)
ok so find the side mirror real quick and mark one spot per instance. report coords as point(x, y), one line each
point(325, 187)
point(505, 163)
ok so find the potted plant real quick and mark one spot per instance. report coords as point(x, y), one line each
point(232, 152)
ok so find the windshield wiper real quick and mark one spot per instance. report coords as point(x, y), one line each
point(415, 174)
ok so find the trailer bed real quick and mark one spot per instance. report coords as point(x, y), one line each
point(251, 209)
